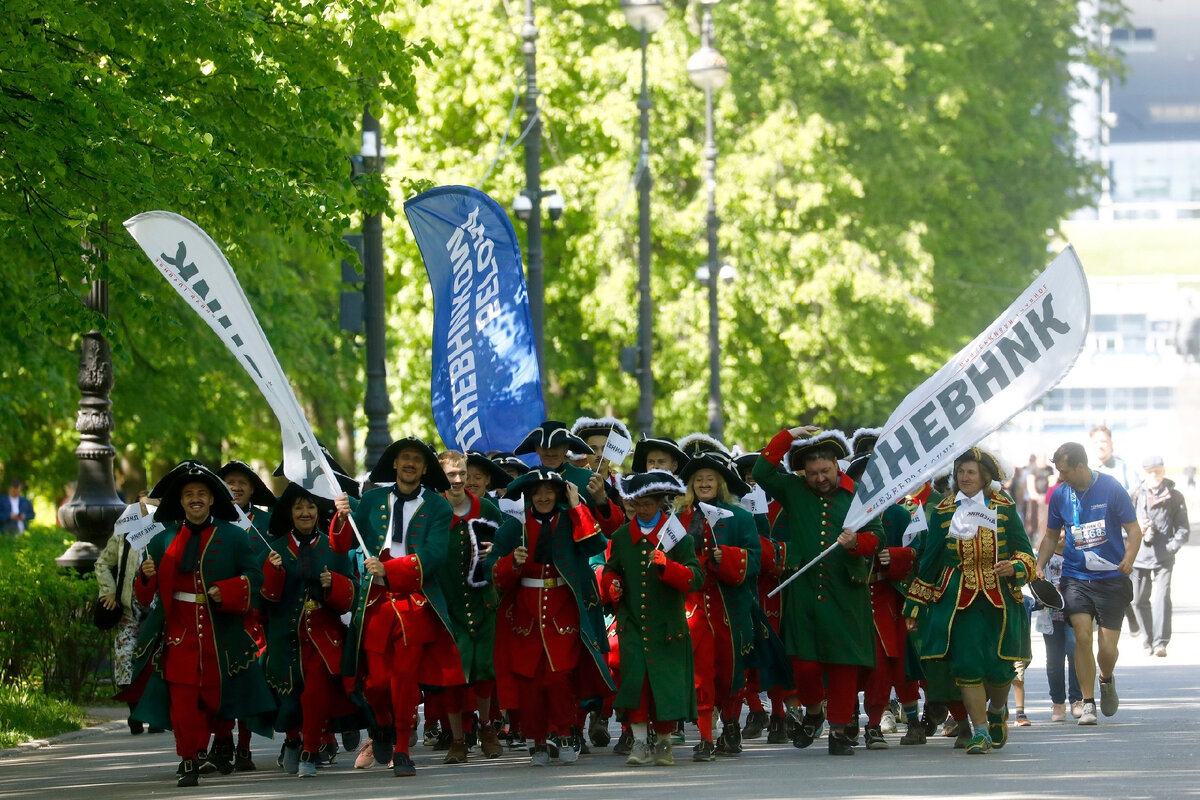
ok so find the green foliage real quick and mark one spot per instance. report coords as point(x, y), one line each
point(887, 174)
point(239, 114)
point(30, 715)
point(46, 633)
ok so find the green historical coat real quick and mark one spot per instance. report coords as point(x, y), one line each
point(427, 539)
point(826, 614)
point(472, 607)
point(953, 573)
point(652, 628)
point(228, 561)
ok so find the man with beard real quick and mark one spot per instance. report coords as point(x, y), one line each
point(401, 624)
point(826, 623)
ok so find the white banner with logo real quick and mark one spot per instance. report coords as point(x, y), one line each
point(1017, 359)
point(195, 267)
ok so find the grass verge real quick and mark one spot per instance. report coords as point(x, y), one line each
point(28, 714)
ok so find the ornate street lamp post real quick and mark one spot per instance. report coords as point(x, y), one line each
point(91, 513)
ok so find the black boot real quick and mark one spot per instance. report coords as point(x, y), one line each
point(756, 721)
point(934, 715)
point(243, 762)
point(189, 775)
point(777, 731)
point(839, 744)
point(221, 756)
point(732, 735)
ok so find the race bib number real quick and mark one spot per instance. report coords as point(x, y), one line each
point(1089, 535)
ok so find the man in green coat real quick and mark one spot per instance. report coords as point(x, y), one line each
point(826, 623)
point(196, 663)
point(401, 624)
point(647, 576)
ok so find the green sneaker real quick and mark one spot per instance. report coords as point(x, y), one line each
point(998, 728)
point(979, 744)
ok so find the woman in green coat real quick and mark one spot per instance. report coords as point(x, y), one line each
point(647, 575)
point(975, 560)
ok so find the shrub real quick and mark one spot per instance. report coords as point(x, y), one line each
point(46, 632)
point(26, 715)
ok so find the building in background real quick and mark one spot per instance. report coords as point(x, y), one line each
point(1140, 246)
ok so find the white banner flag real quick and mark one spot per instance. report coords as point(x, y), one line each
point(713, 514)
point(194, 265)
point(756, 502)
point(1017, 359)
point(671, 533)
point(616, 447)
point(137, 529)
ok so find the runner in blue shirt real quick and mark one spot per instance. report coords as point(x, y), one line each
point(1093, 508)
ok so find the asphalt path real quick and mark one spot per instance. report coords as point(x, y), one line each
point(1150, 749)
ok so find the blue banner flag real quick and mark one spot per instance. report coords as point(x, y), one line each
point(486, 390)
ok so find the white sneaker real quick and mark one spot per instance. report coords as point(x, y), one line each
point(1088, 717)
point(641, 754)
point(887, 723)
point(1076, 708)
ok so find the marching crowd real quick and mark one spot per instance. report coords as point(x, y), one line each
point(533, 604)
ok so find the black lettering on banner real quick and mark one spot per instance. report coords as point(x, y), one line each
point(956, 403)
point(928, 431)
point(309, 480)
point(992, 372)
point(895, 456)
point(1047, 322)
point(1021, 346)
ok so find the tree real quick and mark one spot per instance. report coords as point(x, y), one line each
point(239, 114)
point(888, 171)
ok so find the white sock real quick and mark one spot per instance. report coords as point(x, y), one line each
point(640, 730)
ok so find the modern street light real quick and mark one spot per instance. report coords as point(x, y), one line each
point(376, 404)
point(708, 70)
point(528, 205)
point(645, 16)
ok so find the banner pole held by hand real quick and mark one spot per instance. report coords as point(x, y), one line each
point(803, 569)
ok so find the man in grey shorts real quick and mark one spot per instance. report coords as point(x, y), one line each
point(1094, 510)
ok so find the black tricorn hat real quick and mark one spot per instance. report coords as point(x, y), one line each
point(597, 426)
point(260, 494)
point(830, 441)
point(497, 477)
point(506, 461)
point(170, 488)
point(281, 518)
point(552, 433)
point(864, 439)
point(664, 443)
point(385, 468)
point(719, 463)
point(164, 482)
point(745, 463)
point(857, 466)
point(1045, 593)
point(526, 482)
point(656, 481)
point(695, 443)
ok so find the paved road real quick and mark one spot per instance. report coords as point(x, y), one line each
point(1149, 750)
